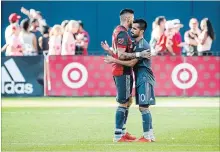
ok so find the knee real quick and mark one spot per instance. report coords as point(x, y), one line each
point(130, 101)
point(144, 108)
point(125, 105)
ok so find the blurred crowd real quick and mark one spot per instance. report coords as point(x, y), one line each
point(32, 36)
point(167, 40)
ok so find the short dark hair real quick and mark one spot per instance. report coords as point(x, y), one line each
point(142, 23)
point(25, 23)
point(126, 10)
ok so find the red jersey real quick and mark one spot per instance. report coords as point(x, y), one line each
point(121, 39)
point(162, 42)
point(177, 39)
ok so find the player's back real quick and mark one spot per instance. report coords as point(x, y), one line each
point(121, 39)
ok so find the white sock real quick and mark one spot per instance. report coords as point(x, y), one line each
point(151, 132)
point(147, 135)
point(124, 129)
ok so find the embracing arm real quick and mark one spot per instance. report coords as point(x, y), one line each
point(129, 63)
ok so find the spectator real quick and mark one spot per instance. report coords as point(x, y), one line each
point(205, 38)
point(165, 43)
point(64, 24)
point(177, 38)
point(55, 40)
point(169, 34)
point(190, 38)
point(13, 18)
point(85, 38)
point(35, 30)
point(69, 38)
point(29, 39)
point(158, 31)
point(14, 47)
point(44, 39)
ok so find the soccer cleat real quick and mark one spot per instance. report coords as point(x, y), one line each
point(122, 139)
point(142, 139)
point(129, 136)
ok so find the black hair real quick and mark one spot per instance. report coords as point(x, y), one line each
point(25, 23)
point(210, 30)
point(126, 10)
point(142, 23)
point(45, 30)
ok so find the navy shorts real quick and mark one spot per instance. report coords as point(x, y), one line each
point(144, 94)
point(124, 85)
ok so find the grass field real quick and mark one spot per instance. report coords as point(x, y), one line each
point(87, 125)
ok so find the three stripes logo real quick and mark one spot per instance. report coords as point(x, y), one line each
point(13, 82)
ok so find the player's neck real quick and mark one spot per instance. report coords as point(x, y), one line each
point(125, 25)
point(138, 38)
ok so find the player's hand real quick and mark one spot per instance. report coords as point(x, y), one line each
point(146, 54)
point(24, 11)
point(109, 59)
point(105, 46)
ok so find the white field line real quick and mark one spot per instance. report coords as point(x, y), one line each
point(105, 104)
point(106, 151)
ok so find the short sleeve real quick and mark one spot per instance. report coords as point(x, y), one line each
point(122, 40)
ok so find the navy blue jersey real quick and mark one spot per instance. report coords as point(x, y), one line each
point(142, 70)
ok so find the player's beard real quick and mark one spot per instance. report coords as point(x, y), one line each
point(134, 35)
point(130, 25)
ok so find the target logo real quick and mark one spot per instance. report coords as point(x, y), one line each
point(75, 75)
point(184, 75)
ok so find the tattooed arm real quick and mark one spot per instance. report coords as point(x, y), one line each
point(124, 55)
point(129, 63)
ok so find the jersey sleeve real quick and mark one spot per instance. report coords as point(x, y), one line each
point(122, 40)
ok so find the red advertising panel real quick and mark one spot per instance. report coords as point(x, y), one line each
point(80, 76)
point(175, 76)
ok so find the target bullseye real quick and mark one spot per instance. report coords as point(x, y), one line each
point(184, 70)
point(71, 73)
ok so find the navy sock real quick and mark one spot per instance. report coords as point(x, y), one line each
point(146, 120)
point(126, 117)
point(120, 118)
point(151, 126)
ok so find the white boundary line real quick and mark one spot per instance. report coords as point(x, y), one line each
point(95, 104)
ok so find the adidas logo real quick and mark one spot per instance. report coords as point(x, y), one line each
point(151, 99)
point(13, 82)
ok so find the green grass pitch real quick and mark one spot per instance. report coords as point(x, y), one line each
point(90, 129)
